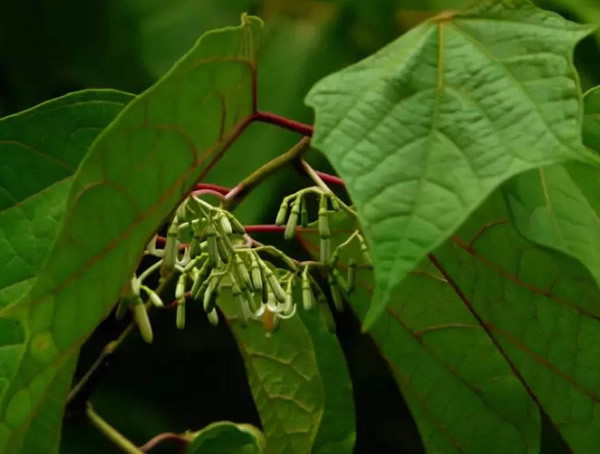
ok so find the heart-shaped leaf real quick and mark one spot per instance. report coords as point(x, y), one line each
point(425, 129)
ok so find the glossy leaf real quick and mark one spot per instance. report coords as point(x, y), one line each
point(284, 379)
point(226, 438)
point(337, 431)
point(135, 174)
point(40, 150)
point(459, 389)
point(425, 129)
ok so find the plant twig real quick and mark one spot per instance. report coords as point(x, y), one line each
point(321, 184)
point(237, 194)
point(283, 122)
point(158, 439)
point(79, 392)
point(331, 179)
point(110, 432)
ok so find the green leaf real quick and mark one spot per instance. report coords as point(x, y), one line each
point(337, 432)
point(425, 129)
point(40, 149)
point(225, 438)
point(459, 389)
point(134, 175)
point(557, 207)
point(284, 379)
point(591, 119)
point(542, 310)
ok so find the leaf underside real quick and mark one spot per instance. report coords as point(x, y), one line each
point(226, 437)
point(425, 129)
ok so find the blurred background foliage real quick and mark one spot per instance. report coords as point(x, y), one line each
point(188, 379)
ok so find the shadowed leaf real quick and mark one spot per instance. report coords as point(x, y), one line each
point(134, 175)
point(460, 390)
point(226, 438)
point(40, 150)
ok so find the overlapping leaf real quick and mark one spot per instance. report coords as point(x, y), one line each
point(136, 172)
point(543, 311)
point(40, 150)
point(225, 438)
point(460, 390)
point(284, 379)
point(425, 129)
point(337, 431)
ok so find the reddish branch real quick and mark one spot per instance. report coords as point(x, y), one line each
point(167, 436)
point(283, 122)
point(331, 179)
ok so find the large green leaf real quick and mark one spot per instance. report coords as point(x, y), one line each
point(337, 431)
point(558, 206)
point(40, 150)
point(284, 379)
point(460, 390)
point(135, 174)
point(226, 438)
point(542, 309)
point(423, 130)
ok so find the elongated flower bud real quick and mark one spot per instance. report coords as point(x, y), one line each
point(273, 283)
point(211, 244)
point(303, 213)
point(364, 249)
point(335, 204)
point(225, 225)
point(290, 227)
point(257, 282)
point(210, 295)
point(307, 294)
point(171, 249)
point(213, 317)
point(282, 213)
point(324, 231)
point(180, 315)
point(237, 226)
point(153, 297)
point(199, 278)
point(242, 273)
point(180, 287)
point(223, 252)
point(142, 320)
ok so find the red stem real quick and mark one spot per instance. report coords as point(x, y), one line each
point(158, 439)
point(331, 179)
point(283, 122)
point(213, 187)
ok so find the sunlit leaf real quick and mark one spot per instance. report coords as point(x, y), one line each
point(134, 175)
point(425, 129)
point(226, 438)
point(284, 379)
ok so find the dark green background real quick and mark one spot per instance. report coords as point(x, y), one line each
point(188, 379)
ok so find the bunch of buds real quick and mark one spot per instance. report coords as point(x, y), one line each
point(220, 255)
